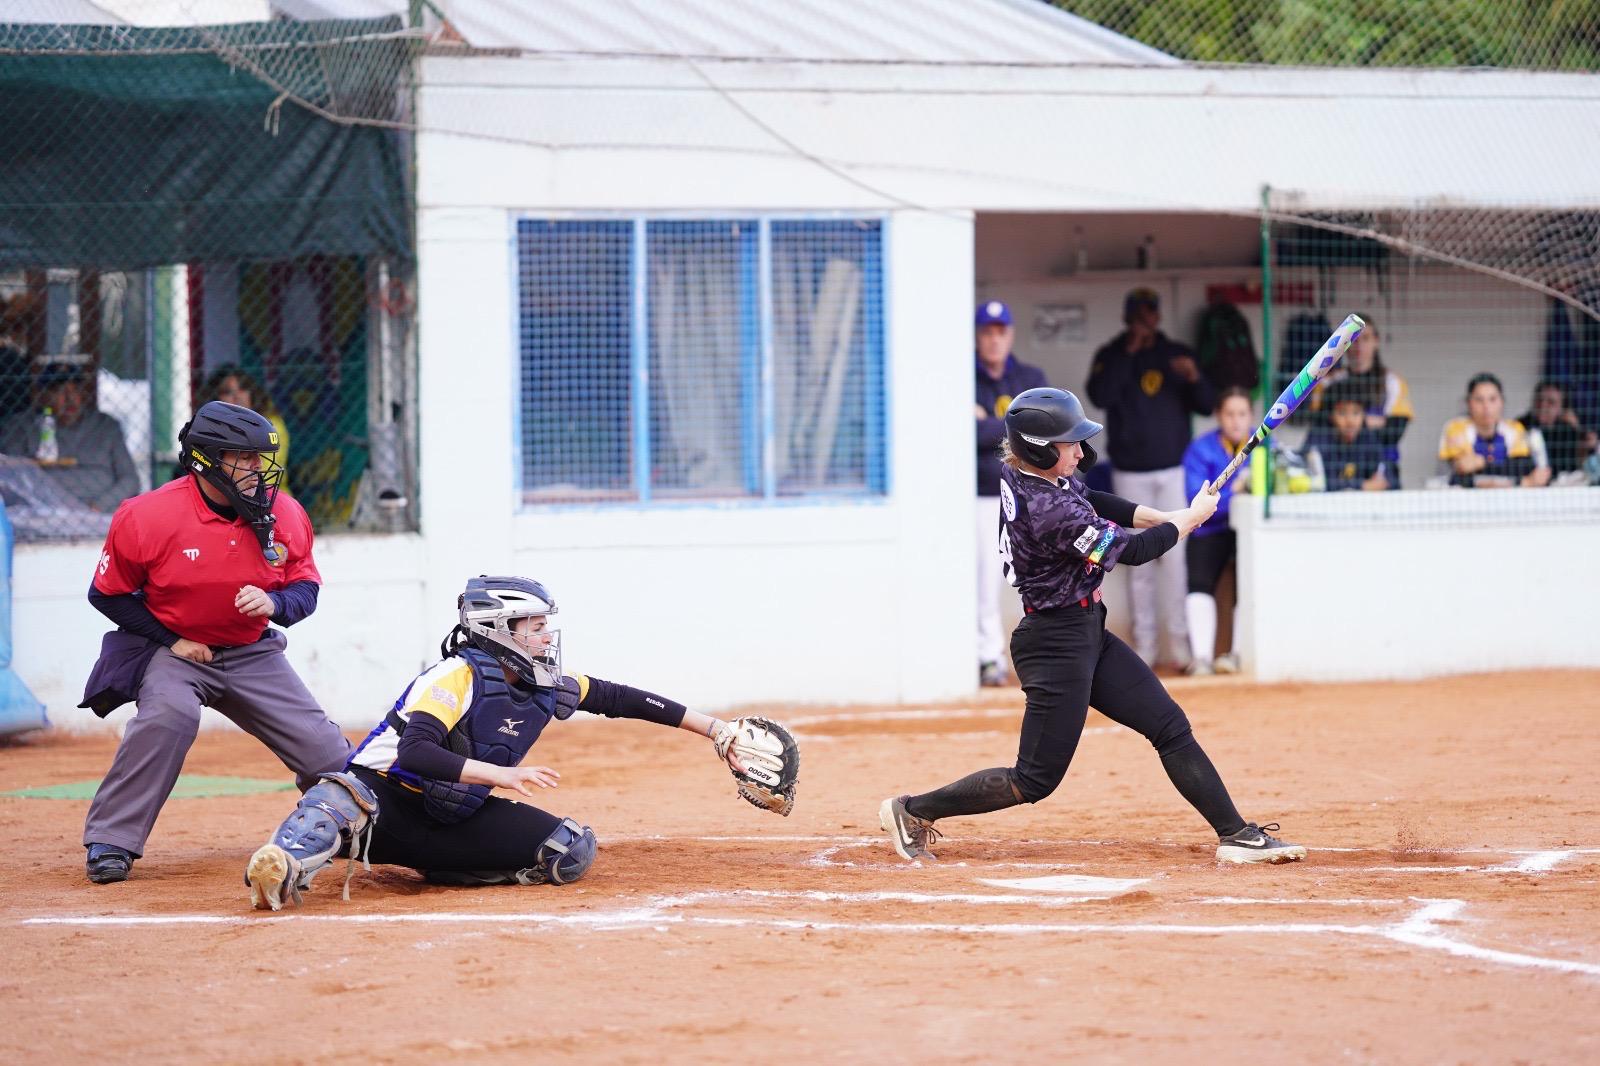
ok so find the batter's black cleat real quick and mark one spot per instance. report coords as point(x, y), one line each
point(108, 863)
point(911, 835)
point(1254, 844)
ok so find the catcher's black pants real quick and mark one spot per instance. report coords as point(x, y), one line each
point(502, 835)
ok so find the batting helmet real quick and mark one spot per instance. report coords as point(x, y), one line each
point(1038, 419)
point(224, 427)
point(487, 610)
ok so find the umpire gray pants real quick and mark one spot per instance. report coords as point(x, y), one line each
point(253, 686)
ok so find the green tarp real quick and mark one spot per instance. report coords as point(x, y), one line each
point(123, 148)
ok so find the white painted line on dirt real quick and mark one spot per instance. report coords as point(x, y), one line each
point(634, 916)
point(1070, 884)
point(1251, 901)
point(817, 896)
point(1537, 863)
point(1419, 930)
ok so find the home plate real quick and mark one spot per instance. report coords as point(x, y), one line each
point(1070, 885)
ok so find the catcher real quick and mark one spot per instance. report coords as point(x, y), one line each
point(416, 792)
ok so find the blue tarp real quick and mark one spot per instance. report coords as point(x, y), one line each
point(19, 710)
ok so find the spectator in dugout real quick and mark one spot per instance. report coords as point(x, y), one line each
point(1566, 442)
point(1383, 394)
point(92, 463)
point(1484, 450)
point(1149, 385)
point(1347, 454)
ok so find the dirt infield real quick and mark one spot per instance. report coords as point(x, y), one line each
point(1449, 912)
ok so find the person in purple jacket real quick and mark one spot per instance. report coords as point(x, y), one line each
point(1213, 546)
point(1000, 376)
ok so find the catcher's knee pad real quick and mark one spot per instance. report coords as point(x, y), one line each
point(564, 857)
point(338, 810)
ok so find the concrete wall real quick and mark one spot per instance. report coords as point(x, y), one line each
point(1333, 588)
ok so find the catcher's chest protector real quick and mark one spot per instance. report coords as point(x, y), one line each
point(502, 723)
point(498, 727)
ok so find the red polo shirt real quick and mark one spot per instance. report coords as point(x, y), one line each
point(191, 563)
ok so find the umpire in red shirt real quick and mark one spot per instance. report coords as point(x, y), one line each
point(191, 574)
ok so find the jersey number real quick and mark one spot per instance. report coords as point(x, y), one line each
point(1005, 556)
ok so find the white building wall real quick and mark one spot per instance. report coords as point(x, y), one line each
point(1347, 596)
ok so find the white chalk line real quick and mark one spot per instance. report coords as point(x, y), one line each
point(1419, 929)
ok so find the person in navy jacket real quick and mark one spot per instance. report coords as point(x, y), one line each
point(1000, 376)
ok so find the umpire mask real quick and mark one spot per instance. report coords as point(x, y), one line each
point(1039, 419)
point(224, 427)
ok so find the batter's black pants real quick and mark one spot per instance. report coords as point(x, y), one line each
point(1066, 661)
point(502, 835)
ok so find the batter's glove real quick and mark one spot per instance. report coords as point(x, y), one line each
point(770, 757)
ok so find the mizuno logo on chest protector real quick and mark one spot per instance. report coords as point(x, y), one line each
point(510, 727)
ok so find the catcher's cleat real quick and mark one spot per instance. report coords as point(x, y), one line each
point(108, 863)
point(909, 834)
point(1254, 844)
point(272, 876)
point(336, 815)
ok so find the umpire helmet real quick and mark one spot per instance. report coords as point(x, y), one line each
point(489, 607)
point(1040, 418)
point(224, 427)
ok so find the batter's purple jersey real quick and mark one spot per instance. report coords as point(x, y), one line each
point(1056, 549)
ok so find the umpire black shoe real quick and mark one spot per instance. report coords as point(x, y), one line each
point(911, 835)
point(1254, 844)
point(108, 863)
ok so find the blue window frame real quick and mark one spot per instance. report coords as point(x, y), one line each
point(672, 360)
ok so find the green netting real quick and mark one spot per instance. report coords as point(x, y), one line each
point(138, 147)
point(199, 213)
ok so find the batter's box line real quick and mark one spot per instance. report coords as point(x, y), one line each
point(1420, 929)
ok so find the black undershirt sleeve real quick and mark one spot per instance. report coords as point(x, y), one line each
point(294, 602)
point(621, 701)
point(129, 612)
point(1149, 544)
point(1114, 507)
point(422, 751)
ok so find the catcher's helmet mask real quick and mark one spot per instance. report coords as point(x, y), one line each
point(220, 427)
point(1039, 419)
point(488, 611)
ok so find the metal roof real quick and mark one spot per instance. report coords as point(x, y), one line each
point(905, 31)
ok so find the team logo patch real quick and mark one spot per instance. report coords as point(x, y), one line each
point(1105, 542)
point(1086, 538)
point(191, 554)
point(1150, 381)
point(443, 695)
point(1008, 502)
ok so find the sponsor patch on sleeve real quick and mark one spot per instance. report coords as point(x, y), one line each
point(1085, 539)
point(443, 696)
point(1104, 542)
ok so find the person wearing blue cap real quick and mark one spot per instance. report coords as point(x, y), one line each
point(1149, 385)
point(1000, 376)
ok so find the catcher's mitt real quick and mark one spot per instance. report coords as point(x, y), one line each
point(771, 759)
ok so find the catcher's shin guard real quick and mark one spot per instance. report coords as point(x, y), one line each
point(564, 857)
point(338, 811)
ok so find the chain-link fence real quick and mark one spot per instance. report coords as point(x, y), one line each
point(170, 234)
point(186, 209)
point(1482, 364)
